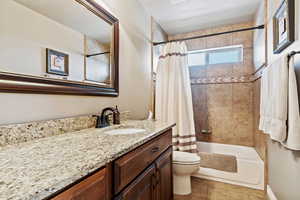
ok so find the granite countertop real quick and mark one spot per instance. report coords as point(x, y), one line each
point(39, 168)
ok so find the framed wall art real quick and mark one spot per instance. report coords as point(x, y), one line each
point(284, 26)
point(57, 62)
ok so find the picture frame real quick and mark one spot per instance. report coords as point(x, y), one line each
point(57, 62)
point(284, 26)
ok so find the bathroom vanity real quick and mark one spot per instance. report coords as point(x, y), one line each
point(92, 164)
point(143, 173)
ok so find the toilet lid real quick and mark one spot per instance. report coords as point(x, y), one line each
point(185, 157)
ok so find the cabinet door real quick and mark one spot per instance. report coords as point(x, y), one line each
point(142, 188)
point(92, 188)
point(164, 175)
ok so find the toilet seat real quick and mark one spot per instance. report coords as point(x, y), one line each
point(185, 158)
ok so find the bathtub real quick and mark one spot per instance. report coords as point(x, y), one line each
point(250, 166)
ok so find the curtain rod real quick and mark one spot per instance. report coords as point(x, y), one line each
point(210, 35)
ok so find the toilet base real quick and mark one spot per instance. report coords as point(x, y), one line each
point(182, 185)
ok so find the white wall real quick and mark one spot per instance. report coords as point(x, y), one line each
point(135, 67)
point(284, 164)
point(158, 35)
point(259, 45)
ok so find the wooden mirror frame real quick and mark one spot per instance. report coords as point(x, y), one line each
point(20, 83)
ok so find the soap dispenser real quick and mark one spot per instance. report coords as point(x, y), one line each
point(116, 116)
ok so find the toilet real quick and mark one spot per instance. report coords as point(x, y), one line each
point(184, 164)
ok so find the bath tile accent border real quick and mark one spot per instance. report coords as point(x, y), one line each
point(222, 79)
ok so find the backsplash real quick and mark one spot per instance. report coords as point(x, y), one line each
point(18, 133)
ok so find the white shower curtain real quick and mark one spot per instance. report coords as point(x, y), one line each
point(174, 96)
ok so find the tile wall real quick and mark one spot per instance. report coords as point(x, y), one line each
point(225, 108)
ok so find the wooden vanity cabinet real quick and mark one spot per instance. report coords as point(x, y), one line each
point(155, 183)
point(164, 174)
point(94, 187)
point(129, 166)
point(146, 172)
point(142, 188)
point(142, 174)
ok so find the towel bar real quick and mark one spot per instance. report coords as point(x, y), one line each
point(292, 53)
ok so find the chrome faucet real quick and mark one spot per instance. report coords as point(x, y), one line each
point(103, 119)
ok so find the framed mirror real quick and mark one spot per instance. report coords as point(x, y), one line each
point(58, 47)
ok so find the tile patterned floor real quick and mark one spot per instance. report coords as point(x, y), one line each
point(212, 190)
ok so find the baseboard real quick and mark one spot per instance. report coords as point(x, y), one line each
point(271, 195)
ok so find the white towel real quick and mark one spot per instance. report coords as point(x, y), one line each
point(264, 101)
point(293, 138)
point(279, 92)
point(274, 99)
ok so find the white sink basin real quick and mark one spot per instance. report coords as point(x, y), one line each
point(125, 131)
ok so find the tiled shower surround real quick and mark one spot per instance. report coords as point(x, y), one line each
point(223, 94)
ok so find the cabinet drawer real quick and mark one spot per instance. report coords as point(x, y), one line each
point(132, 164)
point(92, 188)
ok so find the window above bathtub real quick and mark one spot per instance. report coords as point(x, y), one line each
point(222, 55)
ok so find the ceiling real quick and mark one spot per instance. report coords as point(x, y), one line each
point(72, 15)
point(181, 16)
